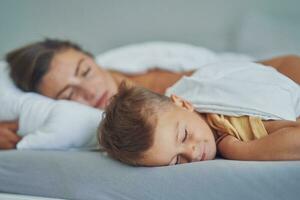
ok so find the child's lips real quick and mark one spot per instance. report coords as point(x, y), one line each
point(203, 154)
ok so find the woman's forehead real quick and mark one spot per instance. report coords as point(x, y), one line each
point(62, 67)
point(66, 57)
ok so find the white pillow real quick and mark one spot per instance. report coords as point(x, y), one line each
point(172, 56)
point(61, 124)
point(45, 123)
point(9, 95)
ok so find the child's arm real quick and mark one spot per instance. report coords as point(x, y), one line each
point(288, 65)
point(283, 144)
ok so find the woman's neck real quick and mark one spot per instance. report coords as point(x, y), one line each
point(155, 80)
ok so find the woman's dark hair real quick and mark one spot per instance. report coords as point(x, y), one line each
point(30, 63)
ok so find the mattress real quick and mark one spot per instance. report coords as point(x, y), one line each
point(92, 175)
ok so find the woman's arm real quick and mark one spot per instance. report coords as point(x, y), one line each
point(8, 136)
point(156, 80)
point(283, 144)
point(288, 65)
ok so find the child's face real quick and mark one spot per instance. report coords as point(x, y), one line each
point(181, 136)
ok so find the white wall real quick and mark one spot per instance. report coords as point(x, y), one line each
point(102, 24)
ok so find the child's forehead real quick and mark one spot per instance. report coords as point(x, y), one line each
point(160, 154)
point(167, 118)
point(173, 112)
point(165, 134)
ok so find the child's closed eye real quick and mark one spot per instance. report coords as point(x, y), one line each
point(185, 135)
point(178, 158)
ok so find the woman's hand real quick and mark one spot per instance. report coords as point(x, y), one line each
point(8, 136)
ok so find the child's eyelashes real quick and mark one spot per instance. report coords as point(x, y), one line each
point(185, 135)
point(183, 140)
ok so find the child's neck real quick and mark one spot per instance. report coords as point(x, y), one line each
point(203, 116)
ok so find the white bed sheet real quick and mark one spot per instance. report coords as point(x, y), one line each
point(5, 196)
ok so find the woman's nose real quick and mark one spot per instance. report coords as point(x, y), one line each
point(86, 91)
point(88, 97)
point(81, 95)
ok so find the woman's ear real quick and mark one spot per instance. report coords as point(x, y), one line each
point(178, 101)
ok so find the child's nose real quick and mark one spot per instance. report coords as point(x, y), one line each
point(191, 152)
point(195, 150)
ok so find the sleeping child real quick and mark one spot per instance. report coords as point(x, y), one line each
point(243, 111)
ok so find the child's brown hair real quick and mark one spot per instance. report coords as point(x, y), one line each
point(127, 128)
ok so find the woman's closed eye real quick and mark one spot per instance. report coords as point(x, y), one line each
point(86, 72)
point(70, 95)
point(67, 95)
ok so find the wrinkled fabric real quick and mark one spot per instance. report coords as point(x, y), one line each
point(244, 128)
point(240, 88)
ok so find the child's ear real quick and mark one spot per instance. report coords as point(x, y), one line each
point(178, 101)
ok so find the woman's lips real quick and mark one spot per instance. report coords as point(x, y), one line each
point(102, 100)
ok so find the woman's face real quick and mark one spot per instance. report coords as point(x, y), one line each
point(75, 76)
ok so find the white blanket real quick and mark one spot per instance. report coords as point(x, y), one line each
point(172, 56)
point(241, 88)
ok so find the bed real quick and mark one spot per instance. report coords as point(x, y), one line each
point(87, 175)
point(91, 175)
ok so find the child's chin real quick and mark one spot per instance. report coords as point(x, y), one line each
point(212, 155)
